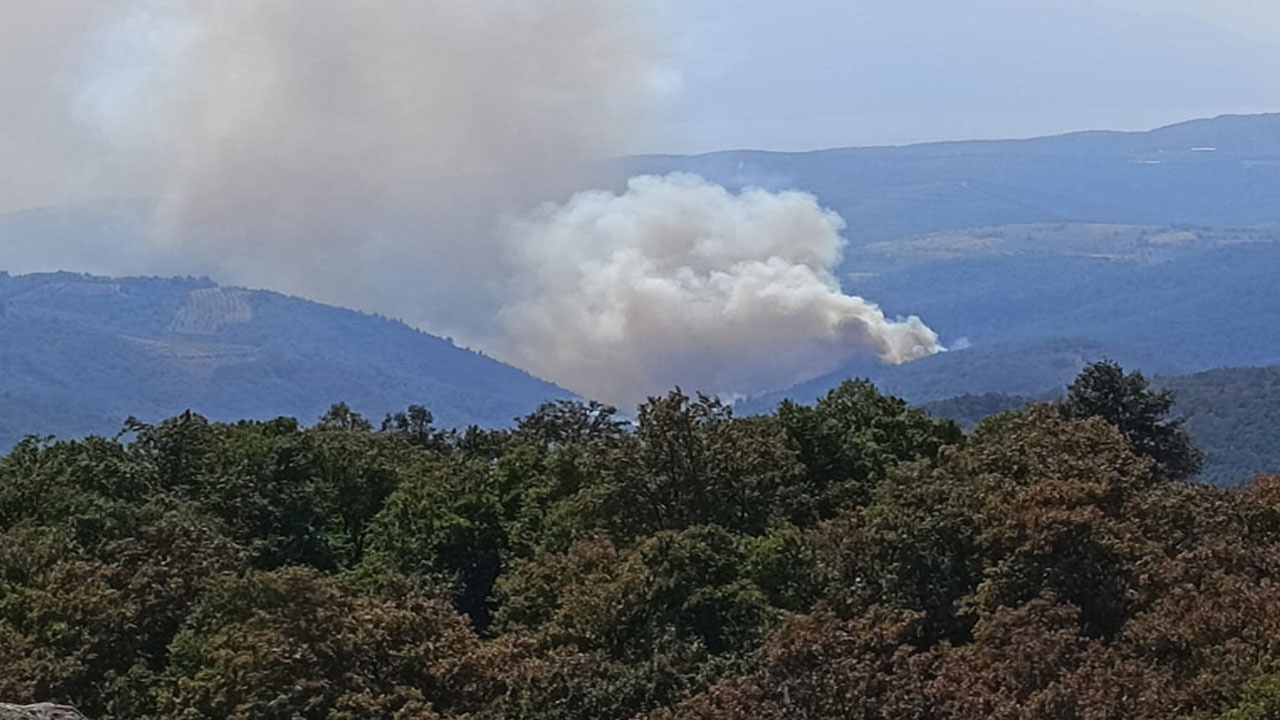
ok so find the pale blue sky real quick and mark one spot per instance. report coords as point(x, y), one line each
point(818, 73)
point(1258, 20)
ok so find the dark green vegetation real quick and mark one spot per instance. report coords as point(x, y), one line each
point(854, 559)
point(1232, 415)
point(79, 354)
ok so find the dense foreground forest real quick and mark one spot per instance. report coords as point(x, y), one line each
point(855, 559)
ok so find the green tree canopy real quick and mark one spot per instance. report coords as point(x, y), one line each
point(1127, 401)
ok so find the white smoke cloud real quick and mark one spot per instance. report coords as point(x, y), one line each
point(678, 281)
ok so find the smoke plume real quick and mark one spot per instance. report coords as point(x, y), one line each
point(678, 281)
point(359, 152)
point(373, 154)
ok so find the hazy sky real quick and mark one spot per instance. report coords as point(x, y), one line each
point(800, 75)
point(1258, 20)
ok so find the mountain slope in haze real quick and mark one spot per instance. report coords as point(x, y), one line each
point(81, 353)
point(1190, 299)
point(1220, 172)
point(1024, 307)
point(1031, 368)
point(1232, 415)
point(1030, 258)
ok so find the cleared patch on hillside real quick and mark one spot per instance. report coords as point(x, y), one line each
point(196, 357)
point(208, 310)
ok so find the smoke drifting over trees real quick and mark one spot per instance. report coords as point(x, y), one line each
point(374, 155)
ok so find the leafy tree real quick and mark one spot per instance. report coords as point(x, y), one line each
point(341, 417)
point(96, 630)
point(685, 585)
point(1127, 401)
point(850, 439)
point(786, 565)
point(94, 489)
point(415, 424)
point(1261, 701)
point(569, 422)
point(564, 683)
point(293, 643)
point(445, 521)
point(294, 496)
point(853, 559)
point(818, 666)
point(690, 462)
point(916, 548)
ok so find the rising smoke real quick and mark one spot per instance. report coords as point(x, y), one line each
point(360, 152)
point(678, 281)
point(374, 154)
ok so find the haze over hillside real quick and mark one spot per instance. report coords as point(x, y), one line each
point(1220, 172)
point(393, 158)
point(80, 354)
point(1025, 271)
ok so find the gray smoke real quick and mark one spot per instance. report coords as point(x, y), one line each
point(359, 152)
point(373, 154)
point(43, 149)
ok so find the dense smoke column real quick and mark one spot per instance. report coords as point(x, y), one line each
point(678, 281)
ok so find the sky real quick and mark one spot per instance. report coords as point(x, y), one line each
point(1257, 20)
point(823, 73)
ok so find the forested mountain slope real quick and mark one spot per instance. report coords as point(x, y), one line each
point(1024, 308)
point(1232, 415)
point(80, 353)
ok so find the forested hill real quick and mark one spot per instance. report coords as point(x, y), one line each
point(1232, 415)
point(854, 559)
point(80, 354)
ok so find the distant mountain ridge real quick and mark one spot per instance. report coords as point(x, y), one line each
point(81, 353)
point(1023, 308)
point(1219, 172)
point(1032, 257)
